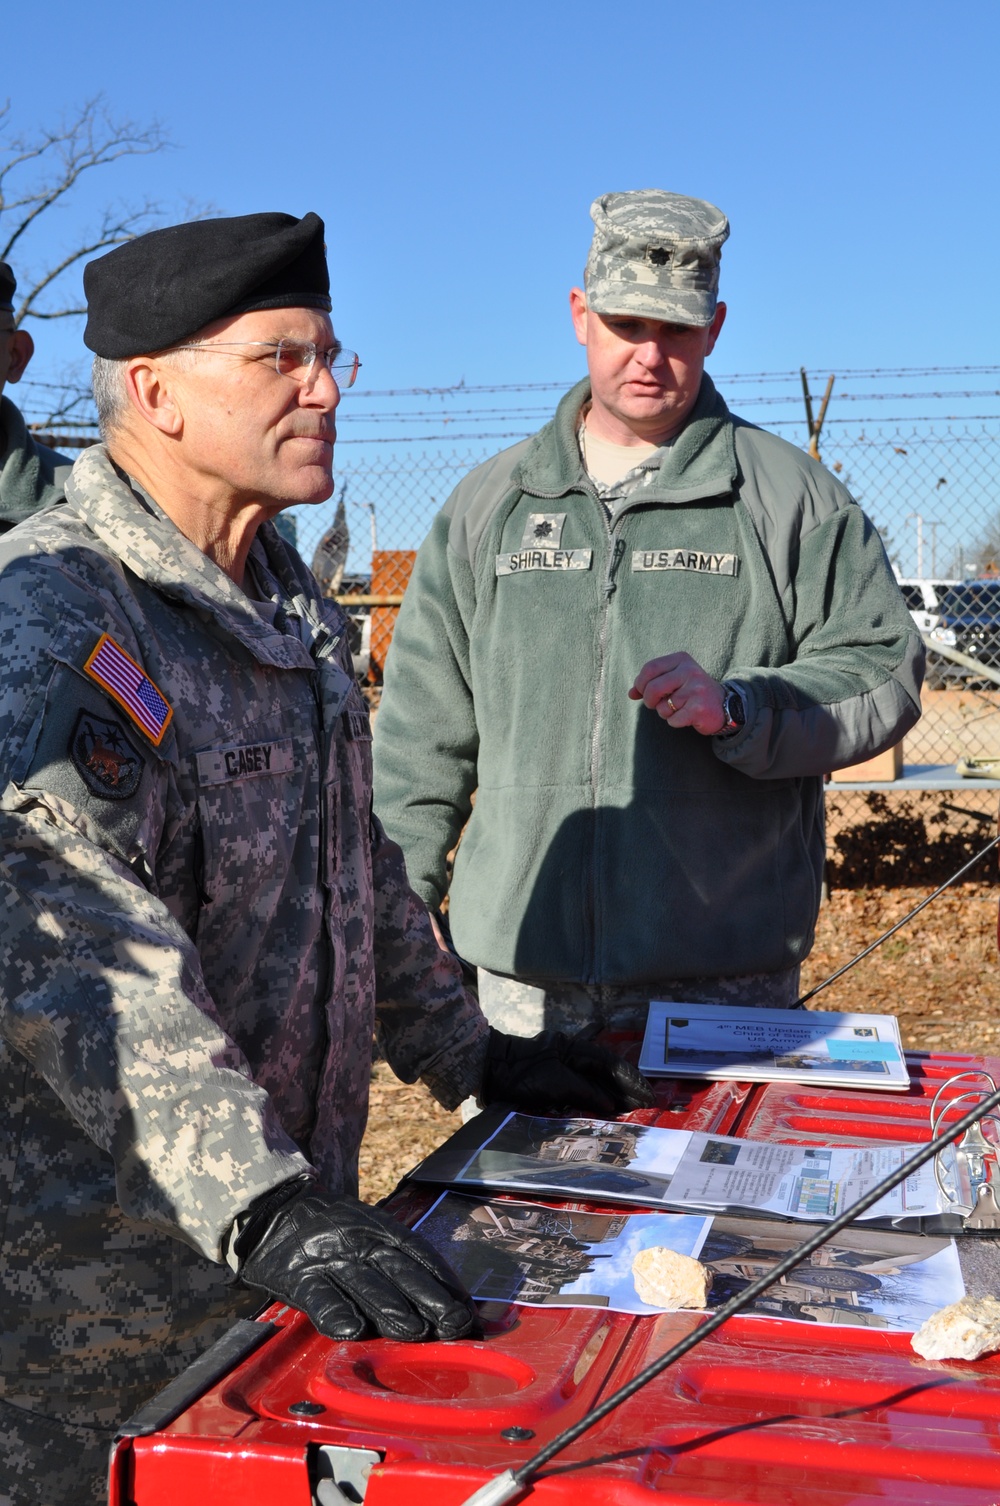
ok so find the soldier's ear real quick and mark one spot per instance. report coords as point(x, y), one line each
point(715, 330)
point(153, 393)
point(578, 313)
point(22, 348)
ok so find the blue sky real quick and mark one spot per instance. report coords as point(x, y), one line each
point(454, 148)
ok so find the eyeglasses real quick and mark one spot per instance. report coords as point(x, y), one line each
point(296, 358)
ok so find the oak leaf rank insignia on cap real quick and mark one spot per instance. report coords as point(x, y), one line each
point(655, 255)
point(110, 667)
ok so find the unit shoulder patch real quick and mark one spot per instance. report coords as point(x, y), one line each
point(111, 667)
point(107, 762)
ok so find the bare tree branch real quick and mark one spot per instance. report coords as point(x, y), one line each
point(72, 409)
point(60, 313)
point(41, 171)
point(111, 234)
point(67, 399)
point(88, 140)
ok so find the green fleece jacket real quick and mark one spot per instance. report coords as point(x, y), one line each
point(31, 475)
point(605, 846)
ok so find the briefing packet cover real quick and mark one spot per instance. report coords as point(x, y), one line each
point(773, 1045)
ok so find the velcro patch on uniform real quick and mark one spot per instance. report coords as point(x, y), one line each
point(107, 762)
point(543, 559)
point(110, 667)
point(241, 761)
point(705, 561)
point(357, 726)
point(543, 528)
point(356, 721)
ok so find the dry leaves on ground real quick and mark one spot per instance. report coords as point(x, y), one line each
point(940, 975)
point(404, 1124)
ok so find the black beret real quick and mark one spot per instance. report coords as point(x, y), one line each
point(161, 288)
point(8, 282)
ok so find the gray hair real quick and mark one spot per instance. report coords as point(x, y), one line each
point(110, 395)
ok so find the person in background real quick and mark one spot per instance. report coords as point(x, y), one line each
point(31, 475)
point(639, 640)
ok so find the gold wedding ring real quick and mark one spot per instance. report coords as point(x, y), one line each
point(670, 703)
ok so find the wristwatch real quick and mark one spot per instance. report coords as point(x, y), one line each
point(734, 709)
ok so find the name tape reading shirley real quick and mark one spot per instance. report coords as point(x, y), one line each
point(543, 559)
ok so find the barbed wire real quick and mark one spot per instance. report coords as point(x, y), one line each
point(342, 439)
point(66, 435)
point(777, 423)
point(532, 415)
point(416, 415)
point(851, 374)
point(462, 387)
point(75, 430)
point(858, 372)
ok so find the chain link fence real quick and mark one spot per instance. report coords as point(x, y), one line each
point(930, 484)
point(933, 489)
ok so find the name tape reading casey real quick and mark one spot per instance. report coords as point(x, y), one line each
point(220, 765)
point(543, 559)
point(705, 561)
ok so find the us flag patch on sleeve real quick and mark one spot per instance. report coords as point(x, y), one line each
point(111, 668)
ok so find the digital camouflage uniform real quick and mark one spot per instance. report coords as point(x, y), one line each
point(199, 919)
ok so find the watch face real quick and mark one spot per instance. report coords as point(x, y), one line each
point(735, 714)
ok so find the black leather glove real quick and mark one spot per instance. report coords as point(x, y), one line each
point(350, 1268)
point(556, 1071)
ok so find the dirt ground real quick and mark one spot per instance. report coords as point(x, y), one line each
point(940, 975)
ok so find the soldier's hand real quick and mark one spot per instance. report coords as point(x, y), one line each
point(352, 1270)
point(685, 695)
point(556, 1071)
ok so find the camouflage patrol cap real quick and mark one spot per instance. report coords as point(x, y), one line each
point(8, 282)
point(655, 254)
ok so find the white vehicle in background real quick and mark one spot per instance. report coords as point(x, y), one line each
point(923, 597)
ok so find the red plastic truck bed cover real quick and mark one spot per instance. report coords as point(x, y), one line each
point(763, 1413)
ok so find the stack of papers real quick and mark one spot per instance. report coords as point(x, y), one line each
point(613, 1161)
point(773, 1045)
point(736, 1205)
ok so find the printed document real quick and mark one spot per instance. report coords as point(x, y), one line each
point(779, 1045)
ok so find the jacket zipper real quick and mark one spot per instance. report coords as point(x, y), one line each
point(322, 646)
point(614, 554)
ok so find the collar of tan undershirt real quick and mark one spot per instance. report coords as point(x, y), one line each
point(608, 463)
